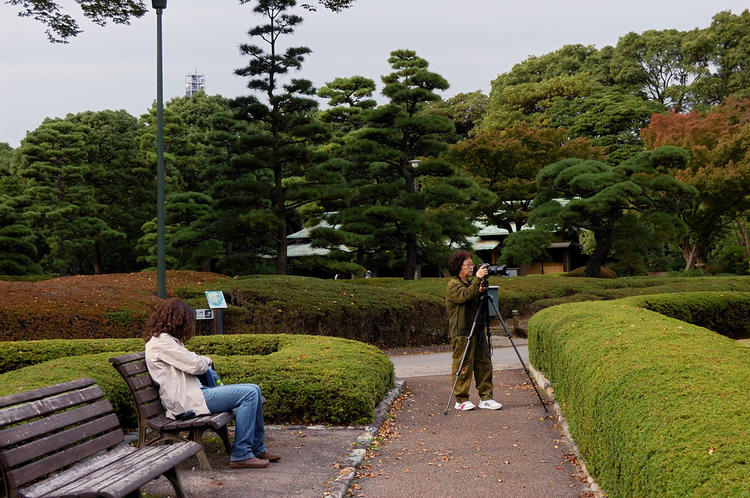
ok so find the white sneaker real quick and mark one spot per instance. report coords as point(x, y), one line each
point(490, 404)
point(465, 406)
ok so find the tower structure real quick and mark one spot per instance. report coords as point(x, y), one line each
point(194, 83)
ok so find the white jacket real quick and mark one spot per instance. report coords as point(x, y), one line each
point(174, 368)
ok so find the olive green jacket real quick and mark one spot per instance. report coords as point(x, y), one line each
point(461, 302)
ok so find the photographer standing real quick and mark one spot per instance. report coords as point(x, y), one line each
point(462, 297)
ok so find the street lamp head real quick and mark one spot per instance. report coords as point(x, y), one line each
point(159, 4)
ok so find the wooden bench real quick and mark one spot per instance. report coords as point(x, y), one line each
point(65, 440)
point(153, 424)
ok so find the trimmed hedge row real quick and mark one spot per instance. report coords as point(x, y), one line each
point(304, 378)
point(387, 317)
point(386, 312)
point(657, 406)
point(727, 313)
point(86, 306)
point(535, 292)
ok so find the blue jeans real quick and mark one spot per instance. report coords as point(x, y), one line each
point(249, 432)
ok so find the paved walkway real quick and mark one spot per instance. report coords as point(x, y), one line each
point(516, 451)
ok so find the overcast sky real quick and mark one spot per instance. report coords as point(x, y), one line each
point(468, 42)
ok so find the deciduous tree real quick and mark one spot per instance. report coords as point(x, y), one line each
point(719, 169)
point(506, 162)
point(61, 26)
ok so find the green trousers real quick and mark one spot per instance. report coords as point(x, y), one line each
point(476, 362)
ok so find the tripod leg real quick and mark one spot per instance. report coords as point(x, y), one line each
point(463, 358)
point(510, 338)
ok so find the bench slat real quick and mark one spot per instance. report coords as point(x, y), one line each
point(138, 382)
point(44, 392)
point(151, 410)
point(125, 475)
point(145, 396)
point(43, 407)
point(73, 474)
point(59, 440)
point(133, 368)
point(47, 425)
point(127, 358)
point(43, 466)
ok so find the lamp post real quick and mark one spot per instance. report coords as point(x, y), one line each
point(161, 274)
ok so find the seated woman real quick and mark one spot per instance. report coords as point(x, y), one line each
point(175, 369)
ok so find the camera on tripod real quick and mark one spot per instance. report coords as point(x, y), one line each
point(495, 270)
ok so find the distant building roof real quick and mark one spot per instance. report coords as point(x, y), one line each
point(485, 245)
point(306, 232)
point(306, 249)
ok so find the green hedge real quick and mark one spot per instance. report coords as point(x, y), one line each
point(535, 292)
point(386, 312)
point(727, 313)
point(305, 379)
point(286, 304)
point(657, 406)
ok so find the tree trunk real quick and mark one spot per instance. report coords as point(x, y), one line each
point(280, 213)
point(689, 252)
point(97, 259)
point(411, 256)
point(599, 256)
point(742, 223)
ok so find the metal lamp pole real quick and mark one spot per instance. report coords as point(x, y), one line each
point(161, 274)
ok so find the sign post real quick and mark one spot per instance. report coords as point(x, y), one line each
point(216, 302)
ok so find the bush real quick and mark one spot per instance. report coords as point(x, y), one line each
point(731, 259)
point(648, 398)
point(15, 355)
point(342, 308)
point(304, 379)
point(386, 312)
point(604, 272)
point(727, 313)
point(86, 306)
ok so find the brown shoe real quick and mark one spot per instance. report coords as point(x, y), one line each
point(271, 457)
point(250, 463)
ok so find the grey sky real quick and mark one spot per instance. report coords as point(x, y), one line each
point(468, 42)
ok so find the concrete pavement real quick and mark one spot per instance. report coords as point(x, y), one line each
point(409, 365)
point(516, 451)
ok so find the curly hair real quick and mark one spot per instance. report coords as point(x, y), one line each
point(456, 261)
point(173, 316)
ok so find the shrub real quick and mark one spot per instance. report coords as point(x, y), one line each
point(304, 378)
point(15, 355)
point(648, 398)
point(727, 313)
point(386, 312)
point(288, 305)
point(85, 306)
point(604, 272)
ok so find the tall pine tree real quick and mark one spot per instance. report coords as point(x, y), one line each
point(405, 206)
point(283, 145)
point(63, 204)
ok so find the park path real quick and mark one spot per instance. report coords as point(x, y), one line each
point(518, 451)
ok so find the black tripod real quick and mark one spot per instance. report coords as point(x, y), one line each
point(483, 311)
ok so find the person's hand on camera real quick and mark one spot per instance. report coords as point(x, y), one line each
point(482, 272)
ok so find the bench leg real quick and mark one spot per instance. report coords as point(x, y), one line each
point(171, 474)
point(223, 433)
point(197, 436)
